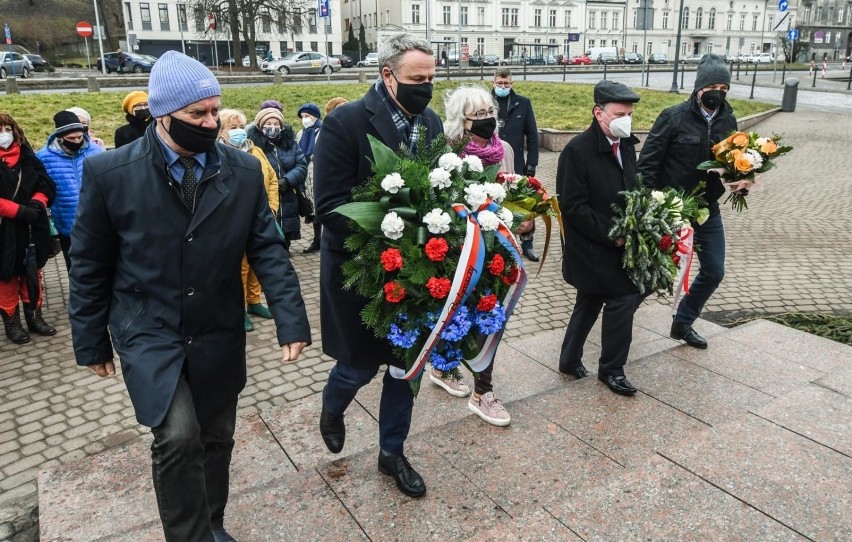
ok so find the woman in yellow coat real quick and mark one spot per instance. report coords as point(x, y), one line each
point(233, 133)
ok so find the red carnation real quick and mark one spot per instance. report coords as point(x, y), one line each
point(501, 177)
point(497, 265)
point(394, 292)
point(513, 274)
point(535, 183)
point(438, 288)
point(391, 259)
point(676, 259)
point(436, 249)
point(486, 303)
point(665, 243)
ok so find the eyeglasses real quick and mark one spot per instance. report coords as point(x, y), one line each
point(482, 114)
point(504, 84)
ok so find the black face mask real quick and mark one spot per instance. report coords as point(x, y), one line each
point(191, 137)
point(73, 146)
point(413, 97)
point(142, 114)
point(712, 99)
point(484, 128)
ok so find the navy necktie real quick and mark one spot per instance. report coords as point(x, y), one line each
point(189, 183)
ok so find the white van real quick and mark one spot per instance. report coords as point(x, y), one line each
point(603, 55)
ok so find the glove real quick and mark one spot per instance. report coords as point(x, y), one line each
point(529, 171)
point(30, 213)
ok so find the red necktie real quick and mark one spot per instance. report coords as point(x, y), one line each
point(615, 150)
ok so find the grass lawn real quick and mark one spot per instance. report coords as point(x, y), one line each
point(560, 106)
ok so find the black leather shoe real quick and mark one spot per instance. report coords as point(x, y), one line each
point(684, 332)
point(221, 535)
point(407, 479)
point(578, 372)
point(333, 431)
point(313, 247)
point(531, 254)
point(618, 384)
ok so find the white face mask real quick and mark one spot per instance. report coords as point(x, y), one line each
point(620, 127)
point(6, 139)
point(307, 122)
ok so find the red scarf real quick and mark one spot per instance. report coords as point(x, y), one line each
point(11, 155)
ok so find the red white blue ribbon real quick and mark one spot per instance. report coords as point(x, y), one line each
point(685, 249)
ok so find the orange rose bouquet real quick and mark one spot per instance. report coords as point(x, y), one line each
point(739, 158)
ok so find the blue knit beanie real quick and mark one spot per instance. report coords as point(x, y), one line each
point(310, 109)
point(176, 81)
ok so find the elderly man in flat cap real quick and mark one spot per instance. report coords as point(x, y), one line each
point(593, 168)
point(161, 230)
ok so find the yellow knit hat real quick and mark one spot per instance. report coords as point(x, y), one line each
point(135, 97)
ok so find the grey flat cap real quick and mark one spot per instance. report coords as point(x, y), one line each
point(612, 91)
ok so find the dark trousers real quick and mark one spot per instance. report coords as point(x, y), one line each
point(482, 381)
point(710, 249)
point(616, 332)
point(190, 464)
point(395, 408)
point(65, 243)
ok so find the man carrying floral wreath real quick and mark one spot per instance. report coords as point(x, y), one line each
point(680, 140)
point(394, 110)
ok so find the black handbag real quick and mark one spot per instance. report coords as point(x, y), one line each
point(306, 206)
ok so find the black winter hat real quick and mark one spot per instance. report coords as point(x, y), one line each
point(66, 122)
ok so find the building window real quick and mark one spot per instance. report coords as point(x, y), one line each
point(592, 20)
point(297, 27)
point(709, 48)
point(699, 18)
point(281, 24)
point(514, 19)
point(480, 45)
point(312, 25)
point(537, 18)
point(299, 46)
point(840, 15)
point(145, 9)
point(616, 19)
point(163, 10)
point(129, 15)
point(480, 16)
point(635, 48)
point(635, 19)
point(648, 49)
point(771, 23)
point(415, 13)
point(665, 20)
point(742, 21)
point(711, 19)
point(314, 46)
point(283, 46)
point(505, 16)
point(604, 20)
point(463, 16)
point(683, 49)
point(730, 23)
point(266, 21)
point(684, 23)
point(552, 19)
point(200, 17)
point(754, 22)
point(819, 14)
point(806, 16)
point(591, 43)
point(568, 19)
point(447, 14)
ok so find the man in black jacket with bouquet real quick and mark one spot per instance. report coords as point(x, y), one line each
point(393, 110)
point(682, 138)
point(593, 168)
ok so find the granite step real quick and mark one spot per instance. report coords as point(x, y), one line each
point(577, 462)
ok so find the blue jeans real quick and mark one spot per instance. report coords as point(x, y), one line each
point(710, 249)
point(190, 463)
point(395, 408)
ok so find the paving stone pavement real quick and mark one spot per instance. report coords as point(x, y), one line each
point(789, 251)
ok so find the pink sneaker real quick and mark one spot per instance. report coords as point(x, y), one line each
point(490, 409)
point(450, 384)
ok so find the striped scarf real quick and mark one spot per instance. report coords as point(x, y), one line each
point(408, 127)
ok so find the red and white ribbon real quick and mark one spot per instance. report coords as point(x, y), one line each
point(685, 250)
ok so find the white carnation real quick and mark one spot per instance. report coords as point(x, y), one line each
point(439, 178)
point(677, 203)
point(450, 161)
point(393, 182)
point(755, 158)
point(761, 141)
point(437, 221)
point(473, 163)
point(488, 221)
point(506, 216)
point(392, 226)
point(475, 195)
point(495, 191)
point(658, 196)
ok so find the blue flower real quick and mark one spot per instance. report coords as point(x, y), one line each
point(402, 338)
point(458, 327)
point(491, 321)
point(430, 320)
point(446, 361)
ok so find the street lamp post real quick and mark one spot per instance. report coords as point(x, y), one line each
point(677, 49)
point(100, 37)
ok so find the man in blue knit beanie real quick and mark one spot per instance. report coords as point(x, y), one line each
point(162, 227)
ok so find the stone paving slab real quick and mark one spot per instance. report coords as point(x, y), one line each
point(814, 412)
point(839, 381)
point(703, 394)
point(794, 480)
point(663, 502)
point(531, 463)
point(539, 526)
point(626, 429)
point(452, 508)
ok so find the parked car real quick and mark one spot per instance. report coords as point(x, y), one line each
point(14, 64)
point(485, 60)
point(345, 61)
point(303, 62)
point(762, 58)
point(691, 59)
point(372, 59)
point(577, 60)
point(38, 62)
point(514, 60)
point(132, 63)
point(658, 58)
point(729, 58)
point(607, 57)
point(633, 58)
